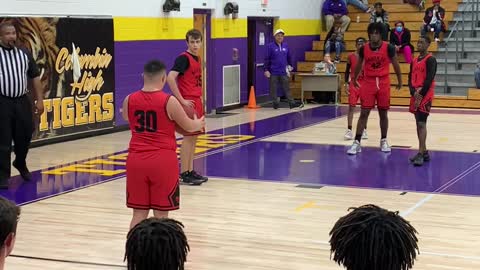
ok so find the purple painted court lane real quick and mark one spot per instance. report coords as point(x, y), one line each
point(280, 162)
point(44, 186)
point(329, 165)
point(287, 122)
point(466, 184)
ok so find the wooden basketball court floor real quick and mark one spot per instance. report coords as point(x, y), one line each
point(278, 182)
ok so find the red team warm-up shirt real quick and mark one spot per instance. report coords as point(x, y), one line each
point(150, 125)
point(353, 58)
point(190, 80)
point(419, 72)
point(377, 63)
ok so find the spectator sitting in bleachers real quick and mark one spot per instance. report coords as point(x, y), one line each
point(400, 37)
point(359, 4)
point(335, 9)
point(334, 41)
point(9, 215)
point(434, 20)
point(381, 15)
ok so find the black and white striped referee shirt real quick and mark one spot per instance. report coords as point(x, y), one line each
point(16, 66)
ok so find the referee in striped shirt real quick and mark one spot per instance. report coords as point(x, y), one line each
point(16, 120)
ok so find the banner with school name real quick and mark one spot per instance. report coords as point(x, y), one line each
point(78, 86)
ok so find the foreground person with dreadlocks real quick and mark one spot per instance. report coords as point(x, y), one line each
point(373, 238)
point(157, 244)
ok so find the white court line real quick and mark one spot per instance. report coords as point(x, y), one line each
point(458, 177)
point(440, 189)
point(426, 199)
point(417, 205)
point(437, 254)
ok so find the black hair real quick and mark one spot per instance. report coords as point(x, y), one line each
point(359, 39)
point(6, 24)
point(375, 27)
point(194, 33)
point(154, 67)
point(156, 244)
point(9, 216)
point(378, 4)
point(373, 238)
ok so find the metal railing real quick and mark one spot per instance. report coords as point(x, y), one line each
point(471, 6)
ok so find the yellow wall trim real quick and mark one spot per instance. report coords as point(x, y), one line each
point(229, 28)
point(135, 28)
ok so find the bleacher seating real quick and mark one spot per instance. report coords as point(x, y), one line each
point(413, 19)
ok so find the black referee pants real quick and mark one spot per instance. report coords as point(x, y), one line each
point(15, 124)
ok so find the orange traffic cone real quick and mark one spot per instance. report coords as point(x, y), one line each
point(252, 101)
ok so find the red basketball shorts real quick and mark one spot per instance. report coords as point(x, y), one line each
point(198, 104)
point(375, 89)
point(354, 94)
point(425, 104)
point(153, 180)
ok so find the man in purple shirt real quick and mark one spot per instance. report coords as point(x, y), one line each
point(278, 64)
point(335, 9)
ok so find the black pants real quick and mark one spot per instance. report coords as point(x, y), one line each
point(15, 124)
point(385, 31)
point(282, 81)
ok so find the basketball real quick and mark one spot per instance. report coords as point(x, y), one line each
point(190, 111)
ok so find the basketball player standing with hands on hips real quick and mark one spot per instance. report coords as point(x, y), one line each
point(152, 164)
point(185, 81)
point(16, 119)
point(375, 58)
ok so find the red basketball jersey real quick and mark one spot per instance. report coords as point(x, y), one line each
point(190, 82)
point(419, 72)
point(377, 63)
point(353, 58)
point(150, 125)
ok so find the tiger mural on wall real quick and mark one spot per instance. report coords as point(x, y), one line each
point(38, 35)
point(65, 77)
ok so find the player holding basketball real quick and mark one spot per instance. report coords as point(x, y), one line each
point(421, 81)
point(353, 92)
point(185, 81)
point(152, 164)
point(375, 58)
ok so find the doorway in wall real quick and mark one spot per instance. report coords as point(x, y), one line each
point(260, 34)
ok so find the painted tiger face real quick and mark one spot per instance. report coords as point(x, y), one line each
point(38, 36)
